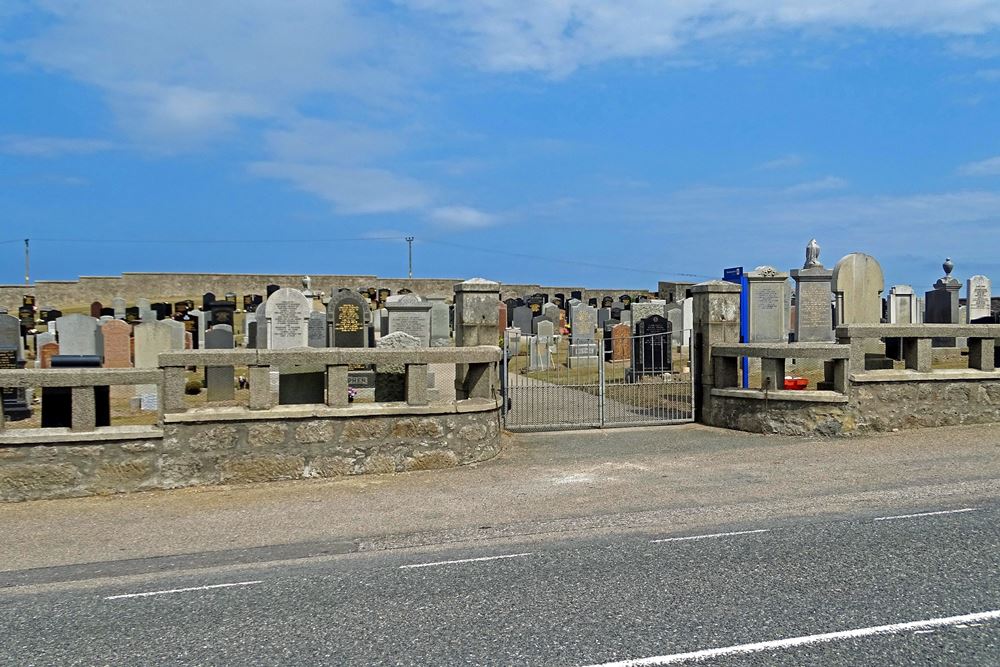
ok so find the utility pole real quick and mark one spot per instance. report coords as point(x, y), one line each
point(409, 242)
point(27, 262)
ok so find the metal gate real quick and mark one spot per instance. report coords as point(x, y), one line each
point(623, 380)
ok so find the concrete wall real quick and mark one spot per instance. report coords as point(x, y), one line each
point(252, 450)
point(158, 286)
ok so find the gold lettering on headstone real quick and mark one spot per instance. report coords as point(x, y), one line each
point(348, 318)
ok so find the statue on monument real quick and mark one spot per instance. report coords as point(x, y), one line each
point(812, 256)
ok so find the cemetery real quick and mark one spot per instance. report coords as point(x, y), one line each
point(300, 377)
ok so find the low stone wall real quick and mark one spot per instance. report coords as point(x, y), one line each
point(259, 448)
point(894, 401)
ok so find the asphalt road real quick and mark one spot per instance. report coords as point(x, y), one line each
point(916, 589)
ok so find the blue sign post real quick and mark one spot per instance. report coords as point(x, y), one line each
point(736, 275)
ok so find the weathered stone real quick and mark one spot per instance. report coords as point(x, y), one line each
point(379, 464)
point(262, 468)
point(359, 430)
point(333, 466)
point(265, 434)
point(417, 428)
point(20, 480)
point(314, 432)
point(472, 432)
point(432, 460)
point(138, 447)
point(114, 475)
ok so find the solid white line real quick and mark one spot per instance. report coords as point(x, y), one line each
point(910, 516)
point(744, 649)
point(463, 560)
point(181, 590)
point(705, 537)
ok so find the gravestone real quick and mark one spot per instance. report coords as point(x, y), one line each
point(503, 322)
point(117, 348)
point(146, 312)
point(651, 353)
point(412, 317)
point(902, 305)
point(440, 323)
point(626, 300)
point(287, 312)
point(813, 299)
point(345, 316)
point(162, 309)
point(621, 342)
point(317, 329)
point(260, 316)
point(118, 304)
point(251, 334)
point(583, 346)
point(222, 312)
point(220, 381)
point(643, 309)
point(576, 294)
point(95, 309)
point(559, 299)
point(979, 295)
point(206, 301)
point(606, 301)
point(603, 316)
point(132, 314)
point(675, 315)
point(523, 319)
point(857, 285)
point(390, 379)
point(512, 338)
point(535, 303)
point(269, 290)
point(14, 401)
point(767, 289)
point(45, 353)
point(77, 335)
point(511, 305)
point(941, 303)
point(540, 347)
point(152, 338)
point(57, 402)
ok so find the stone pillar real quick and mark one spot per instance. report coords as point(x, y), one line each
point(476, 323)
point(716, 320)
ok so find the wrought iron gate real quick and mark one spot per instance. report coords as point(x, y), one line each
point(625, 380)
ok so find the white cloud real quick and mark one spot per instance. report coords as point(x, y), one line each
point(46, 147)
point(988, 167)
point(350, 189)
point(461, 217)
point(820, 185)
point(782, 162)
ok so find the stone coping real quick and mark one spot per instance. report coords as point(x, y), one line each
point(941, 375)
point(919, 331)
point(305, 356)
point(78, 377)
point(803, 396)
point(783, 350)
point(239, 413)
point(715, 286)
point(64, 436)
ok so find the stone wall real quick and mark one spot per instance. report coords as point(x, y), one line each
point(254, 450)
point(158, 286)
point(871, 407)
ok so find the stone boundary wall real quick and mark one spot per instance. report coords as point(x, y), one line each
point(196, 453)
point(871, 407)
point(157, 286)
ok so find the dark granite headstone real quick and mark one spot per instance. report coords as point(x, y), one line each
point(560, 300)
point(95, 309)
point(651, 351)
point(162, 309)
point(592, 302)
point(220, 381)
point(15, 404)
point(132, 314)
point(271, 289)
point(346, 315)
point(606, 301)
point(206, 300)
point(222, 312)
point(576, 294)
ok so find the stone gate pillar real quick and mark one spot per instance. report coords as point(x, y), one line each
point(476, 323)
point(716, 320)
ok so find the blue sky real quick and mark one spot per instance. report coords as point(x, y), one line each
point(559, 141)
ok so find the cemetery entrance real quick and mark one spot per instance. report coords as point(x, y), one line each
point(624, 377)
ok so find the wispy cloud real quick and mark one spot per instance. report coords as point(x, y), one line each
point(987, 167)
point(461, 217)
point(820, 185)
point(782, 162)
point(48, 147)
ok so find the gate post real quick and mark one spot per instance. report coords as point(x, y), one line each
point(476, 323)
point(716, 320)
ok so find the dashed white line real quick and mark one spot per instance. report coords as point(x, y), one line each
point(705, 537)
point(744, 649)
point(463, 560)
point(181, 590)
point(911, 516)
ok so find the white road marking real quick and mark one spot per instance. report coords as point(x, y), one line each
point(181, 590)
point(744, 649)
point(911, 516)
point(705, 537)
point(463, 560)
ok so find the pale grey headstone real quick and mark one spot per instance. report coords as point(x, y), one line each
point(78, 334)
point(767, 291)
point(317, 329)
point(857, 285)
point(287, 319)
point(979, 294)
point(413, 318)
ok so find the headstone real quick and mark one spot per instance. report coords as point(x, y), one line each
point(287, 312)
point(14, 401)
point(163, 310)
point(651, 352)
point(643, 309)
point(46, 352)
point(118, 304)
point(95, 309)
point(979, 295)
point(146, 312)
point(57, 402)
point(117, 338)
point(606, 301)
point(251, 335)
point(576, 294)
point(502, 321)
point(269, 290)
point(440, 323)
point(77, 335)
point(941, 303)
point(317, 329)
point(675, 316)
point(390, 379)
point(813, 299)
point(857, 284)
point(540, 347)
point(206, 301)
point(513, 340)
point(222, 312)
point(413, 318)
point(767, 289)
point(383, 318)
point(152, 338)
point(523, 319)
point(535, 303)
point(626, 300)
point(583, 346)
point(220, 381)
point(902, 305)
point(621, 342)
point(345, 317)
point(559, 299)
point(603, 315)
point(132, 314)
